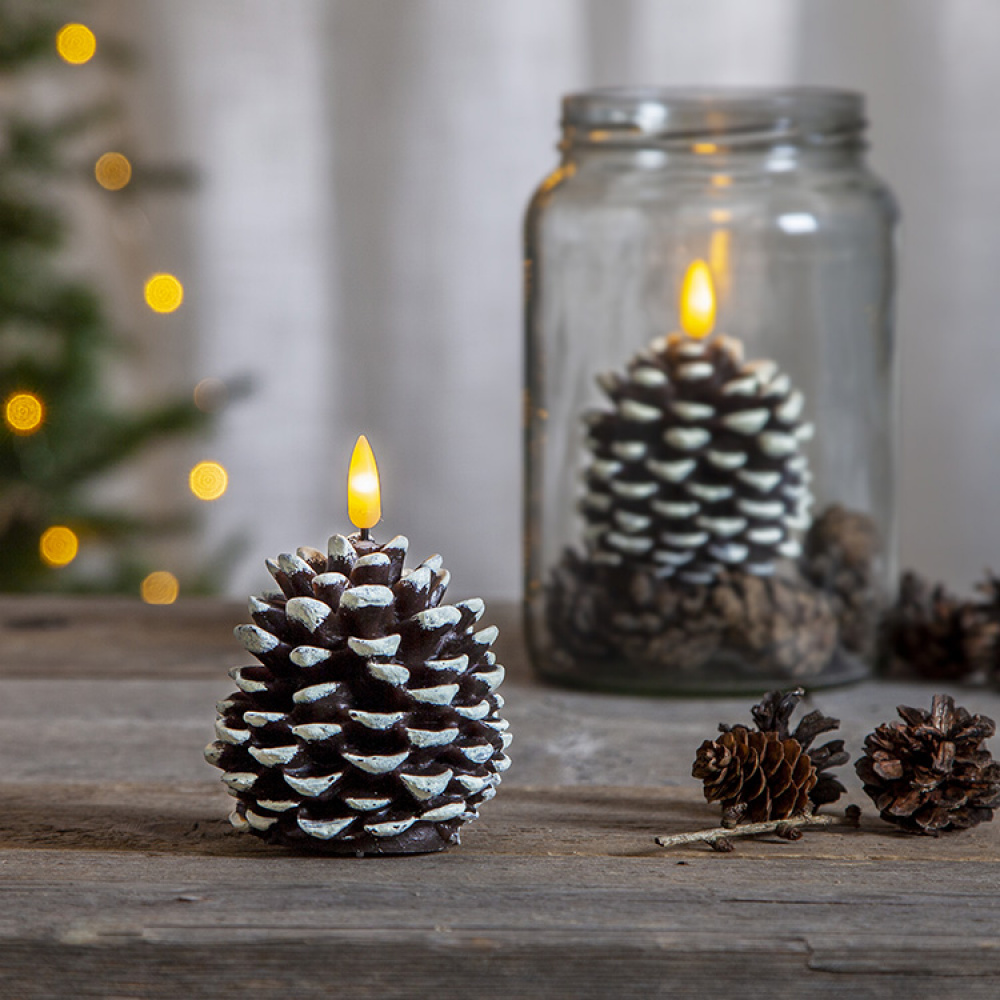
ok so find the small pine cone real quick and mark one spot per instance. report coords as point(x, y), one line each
point(699, 464)
point(930, 773)
point(755, 775)
point(772, 773)
point(371, 724)
point(935, 635)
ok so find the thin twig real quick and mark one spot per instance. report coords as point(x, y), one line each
point(720, 837)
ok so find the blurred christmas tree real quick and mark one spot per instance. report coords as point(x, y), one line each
point(60, 433)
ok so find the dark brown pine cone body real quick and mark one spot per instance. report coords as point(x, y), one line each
point(699, 465)
point(771, 773)
point(371, 724)
point(931, 773)
point(932, 634)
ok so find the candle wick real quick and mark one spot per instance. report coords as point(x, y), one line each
point(366, 534)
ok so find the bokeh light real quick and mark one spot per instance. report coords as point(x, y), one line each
point(76, 44)
point(58, 545)
point(211, 394)
point(208, 480)
point(113, 171)
point(24, 412)
point(160, 587)
point(164, 293)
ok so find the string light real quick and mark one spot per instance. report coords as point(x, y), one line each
point(58, 545)
point(113, 171)
point(211, 394)
point(160, 587)
point(76, 44)
point(164, 293)
point(208, 480)
point(24, 412)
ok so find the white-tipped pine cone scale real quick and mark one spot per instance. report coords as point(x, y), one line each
point(371, 723)
point(698, 466)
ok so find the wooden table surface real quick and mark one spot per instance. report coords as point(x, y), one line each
point(121, 877)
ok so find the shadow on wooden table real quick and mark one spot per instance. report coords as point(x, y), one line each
point(191, 819)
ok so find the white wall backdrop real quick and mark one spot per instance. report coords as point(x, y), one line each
point(355, 238)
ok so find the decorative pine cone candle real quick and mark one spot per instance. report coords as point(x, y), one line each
point(371, 723)
point(698, 466)
point(931, 773)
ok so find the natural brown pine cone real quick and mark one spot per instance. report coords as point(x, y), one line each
point(755, 775)
point(989, 610)
point(771, 774)
point(930, 773)
point(933, 634)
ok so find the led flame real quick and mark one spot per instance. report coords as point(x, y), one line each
point(364, 497)
point(697, 301)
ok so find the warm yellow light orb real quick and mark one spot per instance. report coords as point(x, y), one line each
point(113, 171)
point(208, 480)
point(364, 495)
point(160, 587)
point(58, 545)
point(164, 293)
point(697, 301)
point(24, 412)
point(76, 44)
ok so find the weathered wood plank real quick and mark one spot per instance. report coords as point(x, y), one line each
point(120, 876)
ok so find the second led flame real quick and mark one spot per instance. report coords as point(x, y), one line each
point(364, 496)
point(698, 301)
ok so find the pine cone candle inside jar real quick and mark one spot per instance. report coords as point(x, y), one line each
point(371, 724)
point(698, 465)
point(696, 496)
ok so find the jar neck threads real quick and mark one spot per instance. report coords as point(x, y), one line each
point(707, 123)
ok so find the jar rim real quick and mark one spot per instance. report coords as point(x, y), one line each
point(735, 114)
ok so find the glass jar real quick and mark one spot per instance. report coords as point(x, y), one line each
point(708, 511)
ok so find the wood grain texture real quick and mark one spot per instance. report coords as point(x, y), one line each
point(121, 877)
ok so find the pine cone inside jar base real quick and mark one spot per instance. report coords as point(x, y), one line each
point(838, 557)
point(371, 724)
point(742, 624)
point(931, 773)
point(770, 773)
